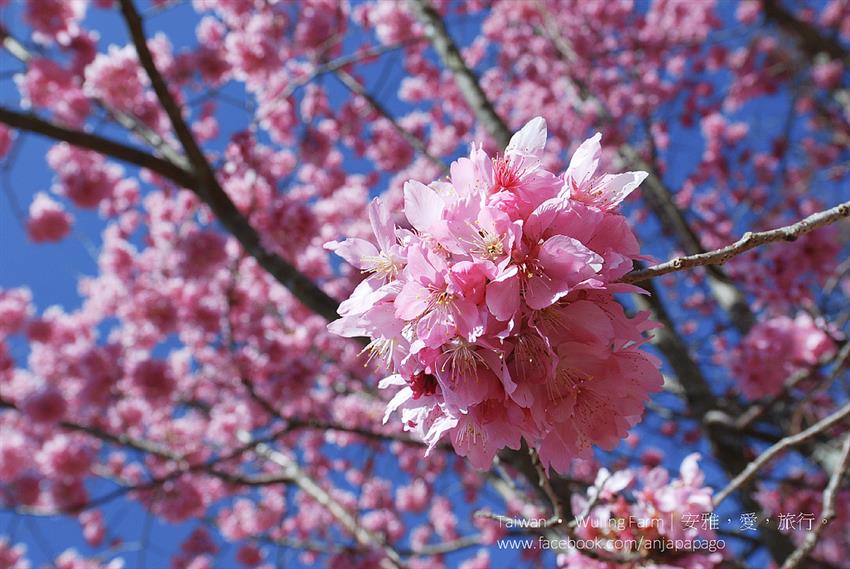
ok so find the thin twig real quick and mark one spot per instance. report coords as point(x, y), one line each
point(346, 519)
point(788, 442)
point(355, 87)
point(590, 504)
point(546, 485)
point(759, 408)
point(750, 240)
point(830, 494)
point(342, 62)
point(465, 79)
point(445, 547)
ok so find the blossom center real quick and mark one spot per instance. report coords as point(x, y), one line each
point(507, 173)
point(422, 384)
point(382, 265)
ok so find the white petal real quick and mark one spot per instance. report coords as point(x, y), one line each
point(437, 430)
point(353, 250)
point(530, 139)
point(397, 401)
point(614, 188)
point(584, 162)
point(390, 380)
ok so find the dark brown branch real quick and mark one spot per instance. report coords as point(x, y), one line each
point(808, 37)
point(32, 123)
point(211, 192)
point(225, 210)
point(184, 133)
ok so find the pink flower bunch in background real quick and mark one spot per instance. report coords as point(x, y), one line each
point(48, 220)
point(797, 503)
point(646, 505)
point(495, 307)
point(776, 348)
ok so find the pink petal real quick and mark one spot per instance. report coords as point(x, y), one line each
point(412, 300)
point(467, 318)
point(422, 206)
point(503, 295)
point(421, 268)
point(435, 328)
point(347, 327)
point(566, 263)
point(382, 224)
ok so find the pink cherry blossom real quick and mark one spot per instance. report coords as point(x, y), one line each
point(47, 84)
point(6, 139)
point(48, 220)
point(775, 349)
point(496, 311)
point(657, 506)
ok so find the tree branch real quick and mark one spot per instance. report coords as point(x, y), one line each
point(657, 195)
point(759, 408)
point(120, 440)
point(749, 241)
point(222, 206)
point(211, 192)
point(808, 37)
point(788, 442)
point(169, 105)
point(701, 400)
point(467, 83)
point(322, 497)
point(830, 494)
point(726, 446)
point(445, 547)
point(355, 87)
point(129, 154)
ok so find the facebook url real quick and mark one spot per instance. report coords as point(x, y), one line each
point(617, 545)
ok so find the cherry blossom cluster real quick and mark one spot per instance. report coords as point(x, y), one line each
point(777, 348)
point(796, 505)
point(646, 505)
point(494, 306)
point(15, 557)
